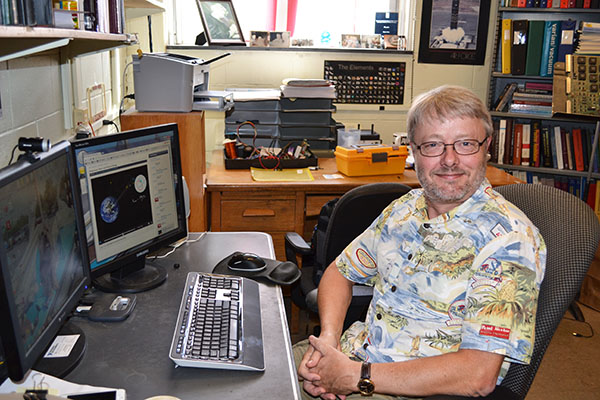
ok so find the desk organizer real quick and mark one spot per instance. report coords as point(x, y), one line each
point(361, 160)
point(269, 163)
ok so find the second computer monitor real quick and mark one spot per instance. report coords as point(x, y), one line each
point(132, 197)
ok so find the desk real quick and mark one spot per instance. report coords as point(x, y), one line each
point(237, 203)
point(134, 354)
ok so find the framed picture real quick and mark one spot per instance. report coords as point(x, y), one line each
point(454, 31)
point(220, 23)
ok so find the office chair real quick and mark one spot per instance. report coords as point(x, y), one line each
point(572, 232)
point(351, 215)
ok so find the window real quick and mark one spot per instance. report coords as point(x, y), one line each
point(322, 21)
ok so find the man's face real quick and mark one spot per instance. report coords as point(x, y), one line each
point(450, 179)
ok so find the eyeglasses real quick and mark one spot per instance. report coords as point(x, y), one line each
point(463, 147)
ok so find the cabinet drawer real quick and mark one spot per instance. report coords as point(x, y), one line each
point(258, 215)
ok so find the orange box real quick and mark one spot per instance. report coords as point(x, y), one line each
point(376, 159)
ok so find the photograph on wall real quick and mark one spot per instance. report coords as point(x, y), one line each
point(279, 39)
point(370, 41)
point(454, 31)
point(351, 40)
point(220, 22)
point(259, 38)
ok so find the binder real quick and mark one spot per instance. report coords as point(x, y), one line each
point(567, 34)
point(519, 46)
point(550, 47)
point(506, 46)
point(535, 40)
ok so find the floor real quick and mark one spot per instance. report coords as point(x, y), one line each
point(570, 369)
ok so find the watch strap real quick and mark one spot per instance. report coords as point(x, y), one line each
point(365, 370)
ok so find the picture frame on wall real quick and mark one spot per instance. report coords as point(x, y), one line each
point(220, 22)
point(454, 31)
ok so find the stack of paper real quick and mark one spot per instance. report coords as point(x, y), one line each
point(320, 88)
point(589, 39)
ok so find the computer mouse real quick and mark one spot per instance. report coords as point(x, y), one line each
point(246, 262)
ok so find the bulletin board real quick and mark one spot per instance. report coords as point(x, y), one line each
point(361, 82)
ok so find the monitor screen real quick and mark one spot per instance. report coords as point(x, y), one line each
point(43, 264)
point(132, 197)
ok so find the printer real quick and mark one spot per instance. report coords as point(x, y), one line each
point(175, 83)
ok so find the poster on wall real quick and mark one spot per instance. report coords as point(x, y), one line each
point(454, 31)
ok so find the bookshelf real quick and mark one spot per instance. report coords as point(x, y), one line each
point(567, 175)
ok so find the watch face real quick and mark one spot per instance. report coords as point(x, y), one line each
point(366, 387)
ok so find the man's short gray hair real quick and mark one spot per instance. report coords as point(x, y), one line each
point(446, 103)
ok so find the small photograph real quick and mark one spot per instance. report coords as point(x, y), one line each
point(259, 38)
point(351, 40)
point(370, 41)
point(301, 42)
point(279, 39)
point(390, 41)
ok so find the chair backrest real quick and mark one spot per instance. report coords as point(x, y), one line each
point(571, 231)
point(354, 212)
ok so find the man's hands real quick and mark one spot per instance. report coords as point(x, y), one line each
point(326, 371)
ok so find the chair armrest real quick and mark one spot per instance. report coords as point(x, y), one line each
point(295, 243)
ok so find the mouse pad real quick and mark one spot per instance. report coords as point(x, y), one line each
point(279, 272)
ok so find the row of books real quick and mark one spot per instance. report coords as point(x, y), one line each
point(106, 16)
point(525, 98)
point(531, 47)
point(577, 186)
point(551, 3)
point(537, 145)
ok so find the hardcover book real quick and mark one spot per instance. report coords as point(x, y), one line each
point(517, 143)
point(526, 145)
point(567, 35)
point(501, 140)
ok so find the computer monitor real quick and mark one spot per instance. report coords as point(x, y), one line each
point(131, 192)
point(43, 263)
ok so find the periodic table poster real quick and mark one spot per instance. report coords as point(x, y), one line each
point(361, 82)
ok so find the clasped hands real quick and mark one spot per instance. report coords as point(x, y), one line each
point(326, 371)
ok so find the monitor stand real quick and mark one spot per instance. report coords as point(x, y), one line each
point(138, 276)
point(59, 367)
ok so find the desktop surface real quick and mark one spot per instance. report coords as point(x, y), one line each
point(134, 354)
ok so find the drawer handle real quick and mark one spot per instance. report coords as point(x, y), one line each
point(258, 212)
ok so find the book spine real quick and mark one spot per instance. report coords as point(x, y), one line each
point(567, 145)
point(501, 141)
point(587, 3)
point(549, 48)
point(535, 144)
point(506, 46)
point(519, 46)
point(535, 39)
point(517, 143)
point(567, 36)
point(503, 102)
point(508, 142)
point(578, 149)
point(526, 144)
point(558, 148)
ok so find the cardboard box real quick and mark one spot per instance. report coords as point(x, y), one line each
point(371, 159)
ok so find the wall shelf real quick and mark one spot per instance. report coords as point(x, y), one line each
point(142, 8)
point(20, 41)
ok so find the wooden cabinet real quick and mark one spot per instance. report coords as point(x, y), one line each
point(192, 146)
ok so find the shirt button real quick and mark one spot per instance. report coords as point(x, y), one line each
point(365, 346)
point(379, 316)
point(409, 256)
point(426, 226)
point(393, 288)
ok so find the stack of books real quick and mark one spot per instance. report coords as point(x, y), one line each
point(589, 38)
point(527, 98)
point(308, 88)
point(551, 3)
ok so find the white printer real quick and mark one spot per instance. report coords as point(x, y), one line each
point(175, 83)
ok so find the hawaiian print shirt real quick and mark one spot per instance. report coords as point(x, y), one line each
point(466, 279)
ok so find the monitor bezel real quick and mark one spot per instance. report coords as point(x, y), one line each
point(141, 250)
point(19, 360)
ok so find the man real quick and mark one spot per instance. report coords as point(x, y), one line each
point(456, 271)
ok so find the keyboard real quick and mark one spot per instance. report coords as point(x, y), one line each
point(219, 324)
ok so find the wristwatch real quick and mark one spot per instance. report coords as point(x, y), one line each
point(365, 384)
